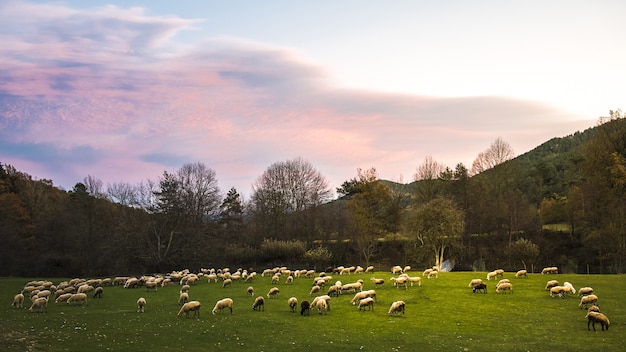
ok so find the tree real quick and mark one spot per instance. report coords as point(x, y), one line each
point(285, 191)
point(231, 215)
point(436, 225)
point(370, 209)
point(499, 152)
point(427, 179)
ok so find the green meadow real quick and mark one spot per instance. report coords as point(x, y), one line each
point(441, 315)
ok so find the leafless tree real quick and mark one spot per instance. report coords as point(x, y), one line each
point(499, 152)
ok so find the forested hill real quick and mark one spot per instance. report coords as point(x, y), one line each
point(561, 204)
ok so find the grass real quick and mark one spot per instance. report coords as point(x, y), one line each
point(441, 315)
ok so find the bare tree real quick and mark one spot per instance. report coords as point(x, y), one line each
point(499, 152)
point(94, 186)
point(123, 193)
point(427, 177)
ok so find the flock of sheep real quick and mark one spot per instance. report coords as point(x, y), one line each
point(76, 291)
point(588, 300)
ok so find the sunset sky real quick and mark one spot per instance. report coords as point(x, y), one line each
point(126, 90)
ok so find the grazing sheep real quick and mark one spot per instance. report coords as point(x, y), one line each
point(289, 280)
point(85, 288)
point(561, 291)
point(585, 291)
point(185, 288)
point(378, 282)
point(250, 291)
point(293, 303)
point(570, 287)
point(433, 274)
point(369, 269)
point(183, 298)
point(363, 294)
point(141, 305)
point(593, 308)
point(305, 307)
point(550, 270)
point(396, 308)
point(597, 317)
point(550, 284)
point(585, 301)
point(221, 304)
point(259, 303)
point(475, 282)
point(315, 289)
point(521, 273)
point(273, 293)
point(98, 292)
point(359, 269)
point(227, 283)
point(18, 301)
point(367, 302)
point(192, 306)
point(334, 290)
point(39, 305)
point(322, 306)
point(399, 281)
point(80, 298)
point(63, 298)
point(427, 271)
point(491, 275)
point(502, 281)
point(504, 287)
point(481, 287)
point(396, 270)
point(275, 279)
point(151, 285)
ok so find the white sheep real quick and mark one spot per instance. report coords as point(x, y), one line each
point(433, 274)
point(259, 303)
point(397, 307)
point(151, 285)
point(273, 292)
point(322, 306)
point(221, 304)
point(378, 282)
point(597, 317)
point(289, 280)
point(275, 279)
point(359, 296)
point(80, 298)
point(550, 270)
point(315, 289)
point(293, 304)
point(585, 291)
point(492, 275)
point(399, 282)
point(141, 305)
point(475, 282)
point(396, 270)
point(369, 269)
point(97, 293)
point(358, 270)
point(18, 301)
point(183, 298)
point(504, 287)
point(587, 300)
point(334, 290)
point(323, 297)
point(192, 306)
point(550, 284)
point(39, 305)
point(367, 302)
point(227, 283)
point(415, 279)
point(521, 273)
point(250, 291)
point(63, 297)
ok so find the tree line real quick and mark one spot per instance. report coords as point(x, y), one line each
point(562, 204)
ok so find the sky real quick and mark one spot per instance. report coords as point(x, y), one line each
point(125, 90)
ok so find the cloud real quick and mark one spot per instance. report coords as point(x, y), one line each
point(102, 92)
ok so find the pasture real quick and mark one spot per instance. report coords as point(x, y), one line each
point(441, 315)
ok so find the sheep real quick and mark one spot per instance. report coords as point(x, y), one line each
point(521, 273)
point(378, 282)
point(406, 268)
point(322, 306)
point(305, 307)
point(597, 317)
point(503, 287)
point(98, 292)
point(275, 279)
point(396, 270)
point(151, 285)
point(587, 300)
point(141, 305)
point(400, 281)
point(481, 287)
point(289, 280)
point(359, 296)
point(359, 269)
point(570, 287)
point(369, 269)
point(433, 274)
point(221, 304)
point(397, 307)
point(227, 283)
point(491, 275)
point(192, 306)
point(85, 288)
point(315, 289)
point(18, 301)
point(502, 281)
point(292, 302)
point(63, 297)
point(475, 282)
point(80, 298)
point(550, 284)
point(273, 292)
point(39, 305)
point(593, 308)
point(550, 270)
point(562, 291)
point(367, 302)
point(259, 303)
point(185, 288)
point(325, 298)
point(334, 290)
point(183, 298)
point(585, 291)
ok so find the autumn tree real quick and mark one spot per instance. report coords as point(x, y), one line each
point(285, 197)
point(436, 225)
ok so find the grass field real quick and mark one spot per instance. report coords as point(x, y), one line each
point(441, 315)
